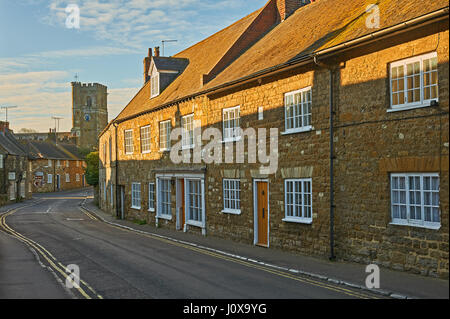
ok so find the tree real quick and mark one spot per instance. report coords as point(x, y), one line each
point(92, 161)
point(27, 130)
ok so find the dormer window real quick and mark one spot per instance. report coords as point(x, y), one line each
point(154, 84)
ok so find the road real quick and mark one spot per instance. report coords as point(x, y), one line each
point(117, 263)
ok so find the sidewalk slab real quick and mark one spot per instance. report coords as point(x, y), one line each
point(394, 283)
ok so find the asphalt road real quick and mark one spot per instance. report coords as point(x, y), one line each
point(116, 263)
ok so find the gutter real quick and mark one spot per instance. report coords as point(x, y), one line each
point(435, 16)
point(117, 172)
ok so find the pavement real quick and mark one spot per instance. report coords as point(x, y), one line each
point(395, 284)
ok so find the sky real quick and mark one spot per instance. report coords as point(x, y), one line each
point(40, 55)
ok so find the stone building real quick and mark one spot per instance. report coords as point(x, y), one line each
point(14, 168)
point(351, 102)
point(89, 113)
point(55, 167)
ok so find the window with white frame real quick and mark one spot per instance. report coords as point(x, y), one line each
point(154, 84)
point(188, 131)
point(136, 195)
point(414, 81)
point(77, 177)
point(49, 163)
point(415, 199)
point(67, 163)
point(194, 202)
point(232, 195)
point(231, 124)
point(128, 134)
point(145, 139)
point(78, 163)
point(151, 197)
point(1, 160)
point(58, 163)
point(49, 178)
point(164, 135)
point(298, 200)
point(67, 178)
point(164, 198)
point(298, 110)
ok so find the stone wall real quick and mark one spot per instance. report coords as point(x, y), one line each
point(370, 143)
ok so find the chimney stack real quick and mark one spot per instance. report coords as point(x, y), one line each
point(288, 7)
point(4, 126)
point(146, 62)
point(156, 51)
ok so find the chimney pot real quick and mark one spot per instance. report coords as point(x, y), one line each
point(156, 51)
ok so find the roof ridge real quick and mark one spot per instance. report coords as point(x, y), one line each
point(220, 31)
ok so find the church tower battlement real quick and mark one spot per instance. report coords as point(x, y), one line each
point(89, 113)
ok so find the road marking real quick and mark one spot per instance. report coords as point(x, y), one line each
point(248, 264)
point(88, 214)
point(74, 219)
point(40, 249)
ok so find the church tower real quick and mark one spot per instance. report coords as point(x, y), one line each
point(89, 113)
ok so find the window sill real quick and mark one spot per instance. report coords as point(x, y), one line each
point(188, 147)
point(298, 130)
point(231, 211)
point(135, 207)
point(427, 226)
point(298, 220)
point(146, 152)
point(167, 217)
point(164, 150)
point(128, 153)
point(195, 223)
point(410, 107)
point(151, 210)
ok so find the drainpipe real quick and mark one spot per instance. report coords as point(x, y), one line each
point(332, 157)
point(117, 172)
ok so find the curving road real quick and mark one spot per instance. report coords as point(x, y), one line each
point(117, 263)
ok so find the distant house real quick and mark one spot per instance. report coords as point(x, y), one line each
point(14, 168)
point(55, 167)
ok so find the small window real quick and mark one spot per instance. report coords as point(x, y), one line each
point(298, 110)
point(1, 160)
point(136, 195)
point(154, 84)
point(298, 200)
point(145, 139)
point(128, 142)
point(415, 199)
point(231, 124)
point(67, 163)
point(49, 163)
point(151, 197)
point(77, 176)
point(188, 131)
point(67, 178)
point(164, 135)
point(232, 196)
point(414, 81)
point(49, 178)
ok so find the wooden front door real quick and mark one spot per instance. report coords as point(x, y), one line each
point(262, 196)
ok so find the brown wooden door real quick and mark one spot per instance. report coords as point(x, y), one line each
point(183, 211)
point(262, 196)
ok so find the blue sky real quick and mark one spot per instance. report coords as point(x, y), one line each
point(39, 56)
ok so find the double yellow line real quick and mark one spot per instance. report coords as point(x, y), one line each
point(52, 261)
point(88, 214)
point(284, 274)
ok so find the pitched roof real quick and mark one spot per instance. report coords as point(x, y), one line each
point(11, 145)
point(319, 25)
point(48, 150)
point(172, 64)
